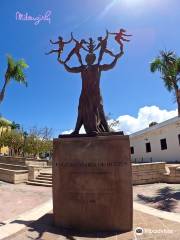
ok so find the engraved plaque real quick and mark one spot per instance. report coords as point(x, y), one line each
point(92, 183)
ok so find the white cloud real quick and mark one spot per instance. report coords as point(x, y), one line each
point(67, 132)
point(82, 130)
point(146, 115)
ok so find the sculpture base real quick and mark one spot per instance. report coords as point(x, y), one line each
point(91, 135)
point(92, 183)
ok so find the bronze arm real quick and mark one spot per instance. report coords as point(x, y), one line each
point(69, 41)
point(54, 42)
point(127, 35)
point(98, 46)
point(87, 50)
point(112, 33)
point(106, 67)
point(72, 69)
point(107, 35)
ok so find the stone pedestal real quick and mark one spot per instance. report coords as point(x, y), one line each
point(92, 183)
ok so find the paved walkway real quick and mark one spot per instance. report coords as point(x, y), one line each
point(153, 227)
point(31, 203)
point(161, 196)
point(16, 199)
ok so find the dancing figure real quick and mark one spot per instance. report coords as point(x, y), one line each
point(119, 37)
point(61, 44)
point(103, 47)
point(76, 50)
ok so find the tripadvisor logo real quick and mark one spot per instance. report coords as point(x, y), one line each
point(139, 231)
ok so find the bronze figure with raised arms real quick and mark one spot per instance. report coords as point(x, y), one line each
point(90, 111)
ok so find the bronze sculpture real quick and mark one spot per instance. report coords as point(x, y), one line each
point(90, 111)
point(103, 47)
point(119, 37)
point(76, 49)
point(61, 44)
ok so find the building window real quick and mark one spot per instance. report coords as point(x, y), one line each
point(148, 147)
point(179, 138)
point(132, 150)
point(163, 144)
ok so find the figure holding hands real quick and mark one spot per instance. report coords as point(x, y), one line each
point(61, 44)
point(76, 49)
point(103, 47)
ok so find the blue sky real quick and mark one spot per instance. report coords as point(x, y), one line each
point(51, 98)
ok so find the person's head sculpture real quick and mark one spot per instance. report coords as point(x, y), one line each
point(60, 38)
point(122, 30)
point(90, 59)
point(82, 41)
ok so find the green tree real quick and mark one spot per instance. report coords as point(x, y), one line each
point(168, 64)
point(15, 71)
point(36, 142)
point(35, 145)
point(13, 140)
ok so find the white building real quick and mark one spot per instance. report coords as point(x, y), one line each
point(160, 142)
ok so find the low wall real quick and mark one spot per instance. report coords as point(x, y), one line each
point(12, 160)
point(16, 170)
point(34, 171)
point(23, 161)
point(12, 166)
point(13, 176)
point(144, 173)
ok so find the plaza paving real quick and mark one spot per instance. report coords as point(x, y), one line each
point(161, 196)
point(18, 199)
point(154, 229)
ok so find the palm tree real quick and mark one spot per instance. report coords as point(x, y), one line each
point(168, 64)
point(14, 71)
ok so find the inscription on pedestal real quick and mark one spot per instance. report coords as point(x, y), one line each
point(92, 187)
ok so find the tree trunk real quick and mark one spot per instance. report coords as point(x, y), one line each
point(178, 100)
point(3, 91)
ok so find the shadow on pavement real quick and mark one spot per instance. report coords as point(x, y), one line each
point(166, 199)
point(45, 225)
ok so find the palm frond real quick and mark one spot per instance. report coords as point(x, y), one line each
point(22, 64)
point(168, 83)
point(168, 64)
point(156, 65)
point(15, 70)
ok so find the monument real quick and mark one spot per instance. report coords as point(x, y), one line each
point(92, 182)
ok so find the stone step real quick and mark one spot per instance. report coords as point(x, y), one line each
point(44, 178)
point(39, 184)
point(48, 175)
point(45, 175)
point(41, 181)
